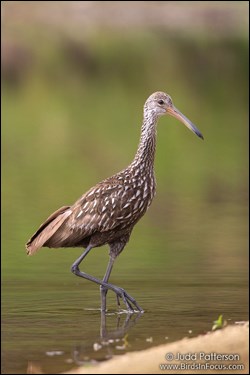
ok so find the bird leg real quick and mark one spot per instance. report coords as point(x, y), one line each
point(104, 290)
point(121, 293)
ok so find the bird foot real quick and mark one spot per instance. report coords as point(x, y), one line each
point(128, 300)
point(131, 304)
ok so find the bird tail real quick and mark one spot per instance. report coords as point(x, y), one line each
point(47, 229)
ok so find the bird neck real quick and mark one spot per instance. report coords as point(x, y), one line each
point(145, 154)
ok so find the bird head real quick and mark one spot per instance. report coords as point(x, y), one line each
point(162, 104)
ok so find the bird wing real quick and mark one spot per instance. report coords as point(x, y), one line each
point(47, 229)
point(112, 204)
point(108, 205)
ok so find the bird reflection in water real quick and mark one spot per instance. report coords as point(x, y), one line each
point(111, 340)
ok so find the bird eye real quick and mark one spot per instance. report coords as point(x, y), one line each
point(160, 102)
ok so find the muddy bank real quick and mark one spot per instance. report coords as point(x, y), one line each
point(232, 342)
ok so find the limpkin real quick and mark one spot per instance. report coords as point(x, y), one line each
point(108, 212)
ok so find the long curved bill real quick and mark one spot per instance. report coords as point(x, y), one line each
point(177, 114)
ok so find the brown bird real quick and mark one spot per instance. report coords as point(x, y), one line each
point(108, 212)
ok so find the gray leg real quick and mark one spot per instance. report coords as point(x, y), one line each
point(127, 299)
point(104, 290)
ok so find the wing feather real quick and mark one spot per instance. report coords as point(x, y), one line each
point(106, 206)
point(47, 229)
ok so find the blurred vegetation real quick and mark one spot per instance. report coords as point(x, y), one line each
point(72, 115)
point(71, 112)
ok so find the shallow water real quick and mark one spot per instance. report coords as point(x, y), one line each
point(51, 319)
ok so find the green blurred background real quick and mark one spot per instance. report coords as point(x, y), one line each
point(75, 76)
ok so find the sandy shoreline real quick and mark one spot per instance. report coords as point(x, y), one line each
point(232, 341)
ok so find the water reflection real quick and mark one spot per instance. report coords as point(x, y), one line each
point(112, 340)
point(121, 329)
